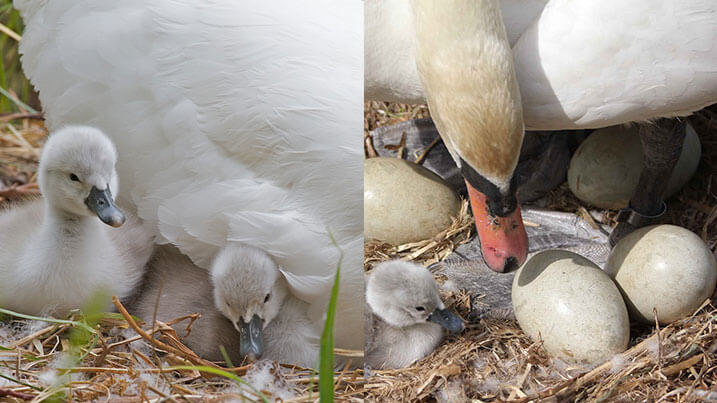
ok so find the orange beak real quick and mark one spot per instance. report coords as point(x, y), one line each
point(503, 240)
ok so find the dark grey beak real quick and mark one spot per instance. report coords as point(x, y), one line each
point(251, 342)
point(447, 319)
point(100, 202)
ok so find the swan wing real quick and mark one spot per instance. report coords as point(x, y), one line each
point(232, 123)
point(596, 63)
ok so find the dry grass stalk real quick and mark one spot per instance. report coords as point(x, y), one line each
point(427, 251)
point(116, 367)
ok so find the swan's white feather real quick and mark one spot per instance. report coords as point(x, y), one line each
point(584, 64)
point(608, 62)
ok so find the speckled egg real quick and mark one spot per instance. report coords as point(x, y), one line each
point(404, 202)
point(664, 267)
point(565, 300)
point(605, 169)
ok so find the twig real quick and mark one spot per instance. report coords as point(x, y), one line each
point(186, 353)
point(370, 150)
point(7, 117)
point(19, 395)
point(401, 146)
point(564, 388)
point(15, 191)
point(423, 155)
point(675, 368)
point(9, 32)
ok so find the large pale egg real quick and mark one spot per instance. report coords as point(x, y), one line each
point(404, 202)
point(605, 169)
point(664, 267)
point(565, 300)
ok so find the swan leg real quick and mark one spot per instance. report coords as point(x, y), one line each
point(662, 146)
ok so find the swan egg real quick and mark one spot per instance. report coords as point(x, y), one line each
point(664, 267)
point(566, 301)
point(405, 202)
point(605, 169)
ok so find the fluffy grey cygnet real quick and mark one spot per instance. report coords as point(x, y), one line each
point(244, 304)
point(405, 315)
point(58, 252)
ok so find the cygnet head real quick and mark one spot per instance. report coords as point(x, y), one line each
point(77, 174)
point(405, 294)
point(249, 290)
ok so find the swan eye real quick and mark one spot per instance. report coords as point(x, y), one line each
point(420, 308)
point(266, 299)
point(74, 178)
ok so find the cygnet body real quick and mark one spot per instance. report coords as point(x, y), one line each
point(55, 254)
point(405, 315)
point(244, 305)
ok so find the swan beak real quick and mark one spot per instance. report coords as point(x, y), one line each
point(503, 240)
point(447, 319)
point(100, 202)
point(251, 343)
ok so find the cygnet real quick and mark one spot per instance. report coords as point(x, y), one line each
point(405, 315)
point(244, 304)
point(55, 254)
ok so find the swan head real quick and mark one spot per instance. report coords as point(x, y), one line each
point(249, 290)
point(465, 63)
point(404, 294)
point(77, 174)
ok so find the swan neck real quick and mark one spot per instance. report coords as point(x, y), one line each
point(465, 63)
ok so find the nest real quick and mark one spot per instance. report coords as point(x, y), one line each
point(494, 360)
point(119, 357)
point(428, 251)
point(76, 359)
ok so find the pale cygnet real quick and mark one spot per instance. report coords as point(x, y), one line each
point(405, 315)
point(55, 255)
point(174, 287)
point(251, 291)
point(250, 311)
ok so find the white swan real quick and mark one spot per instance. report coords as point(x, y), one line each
point(256, 316)
point(239, 122)
point(586, 64)
point(406, 316)
point(614, 66)
point(55, 254)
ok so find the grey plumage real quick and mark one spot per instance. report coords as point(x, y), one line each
point(402, 307)
point(185, 288)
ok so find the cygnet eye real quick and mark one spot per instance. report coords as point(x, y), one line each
point(266, 299)
point(74, 178)
point(420, 308)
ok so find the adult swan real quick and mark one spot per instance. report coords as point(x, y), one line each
point(235, 122)
point(585, 64)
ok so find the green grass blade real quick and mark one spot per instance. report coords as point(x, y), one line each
point(7, 6)
point(4, 103)
point(326, 358)
point(9, 378)
point(16, 101)
point(217, 371)
point(50, 320)
point(225, 355)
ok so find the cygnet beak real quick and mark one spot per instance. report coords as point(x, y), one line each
point(100, 202)
point(447, 319)
point(251, 342)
